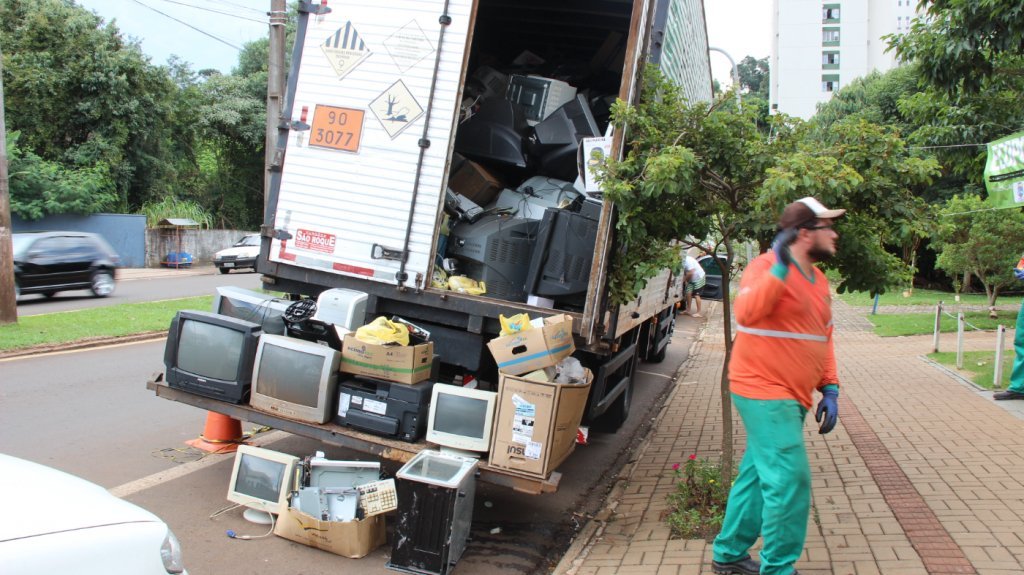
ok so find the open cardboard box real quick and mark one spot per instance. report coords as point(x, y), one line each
point(353, 539)
point(535, 424)
point(535, 348)
point(398, 363)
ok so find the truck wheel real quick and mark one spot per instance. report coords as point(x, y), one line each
point(660, 356)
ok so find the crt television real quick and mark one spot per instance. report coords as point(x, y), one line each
point(496, 250)
point(539, 96)
point(460, 418)
point(211, 354)
point(261, 480)
point(560, 265)
point(257, 307)
point(294, 378)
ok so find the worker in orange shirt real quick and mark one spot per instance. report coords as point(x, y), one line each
point(783, 352)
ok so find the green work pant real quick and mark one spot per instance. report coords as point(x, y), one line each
point(772, 493)
point(1017, 375)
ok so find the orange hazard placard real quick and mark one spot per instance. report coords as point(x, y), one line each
point(336, 128)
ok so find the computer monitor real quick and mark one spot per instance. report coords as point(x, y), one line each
point(496, 250)
point(211, 354)
point(494, 134)
point(258, 307)
point(261, 480)
point(538, 96)
point(460, 418)
point(295, 378)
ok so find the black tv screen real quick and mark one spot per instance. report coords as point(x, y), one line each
point(211, 354)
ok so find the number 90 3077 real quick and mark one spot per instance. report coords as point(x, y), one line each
point(336, 128)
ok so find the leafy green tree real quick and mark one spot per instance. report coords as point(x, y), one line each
point(81, 96)
point(975, 240)
point(754, 75)
point(962, 43)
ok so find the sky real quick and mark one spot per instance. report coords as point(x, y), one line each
point(740, 27)
point(206, 33)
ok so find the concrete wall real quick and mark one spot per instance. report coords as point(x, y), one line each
point(124, 232)
point(202, 244)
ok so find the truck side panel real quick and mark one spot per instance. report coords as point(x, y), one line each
point(354, 166)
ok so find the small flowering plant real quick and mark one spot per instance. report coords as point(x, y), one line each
point(697, 507)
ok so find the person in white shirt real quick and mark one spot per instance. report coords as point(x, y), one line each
point(693, 275)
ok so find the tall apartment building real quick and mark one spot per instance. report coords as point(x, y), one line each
point(679, 46)
point(821, 45)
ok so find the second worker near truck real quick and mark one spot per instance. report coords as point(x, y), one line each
point(783, 352)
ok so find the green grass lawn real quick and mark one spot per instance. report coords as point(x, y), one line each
point(893, 324)
point(918, 297)
point(109, 321)
point(979, 366)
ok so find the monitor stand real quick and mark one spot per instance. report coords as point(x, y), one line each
point(257, 516)
point(465, 454)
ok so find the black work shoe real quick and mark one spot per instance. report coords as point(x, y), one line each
point(1001, 395)
point(745, 566)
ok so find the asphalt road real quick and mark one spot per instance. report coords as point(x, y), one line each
point(88, 412)
point(135, 286)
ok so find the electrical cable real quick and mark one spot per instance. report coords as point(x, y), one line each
point(182, 22)
point(231, 532)
point(228, 14)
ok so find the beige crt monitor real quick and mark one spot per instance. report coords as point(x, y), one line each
point(294, 378)
point(460, 419)
point(261, 480)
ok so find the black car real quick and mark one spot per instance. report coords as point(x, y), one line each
point(49, 262)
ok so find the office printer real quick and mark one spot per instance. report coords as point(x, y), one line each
point(384, 408)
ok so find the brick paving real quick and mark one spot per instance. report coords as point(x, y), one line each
point(923, 474)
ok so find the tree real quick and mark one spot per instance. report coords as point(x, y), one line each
point(754, 76)
point(962, 43)
point(980, 241)
point(706, 170)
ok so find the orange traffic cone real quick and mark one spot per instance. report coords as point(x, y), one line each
point(222, 434)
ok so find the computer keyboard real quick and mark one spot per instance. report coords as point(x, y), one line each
point(378, 497)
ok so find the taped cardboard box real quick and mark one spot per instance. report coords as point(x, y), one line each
point(398, 363)
point(535, 348)
point(536, 424)
point(353, 539)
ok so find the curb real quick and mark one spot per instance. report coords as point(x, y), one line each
point(82, 344)
point(578, 551)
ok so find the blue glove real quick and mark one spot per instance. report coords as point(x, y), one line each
point(1018, 273)
point(829, 407)
point(781, 245)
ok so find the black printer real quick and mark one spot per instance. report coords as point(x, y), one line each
point(384, 408)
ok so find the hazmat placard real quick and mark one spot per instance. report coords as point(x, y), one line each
point(336, 128)
point(396, 109)
point(345, 49)
point(408, 45)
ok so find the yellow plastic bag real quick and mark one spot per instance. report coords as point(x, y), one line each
point(383, 331)
point(517, 323)
point(463, 284)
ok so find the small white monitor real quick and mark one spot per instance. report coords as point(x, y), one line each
point(294, 378)
point(460, 418)
point(258, 307)
point(261, 480)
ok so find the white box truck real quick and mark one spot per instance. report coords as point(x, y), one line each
point(388, 101)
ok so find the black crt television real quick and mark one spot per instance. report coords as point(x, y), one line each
point(555, 140)
point(560, 266)
point(496, 250)
point(211, 354)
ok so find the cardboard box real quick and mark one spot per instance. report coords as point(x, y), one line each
point(536, 424)
point(353, 539)
point(476, 183)
point(398, 363)
point(535, 348)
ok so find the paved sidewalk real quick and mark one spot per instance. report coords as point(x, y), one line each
point(923, 474)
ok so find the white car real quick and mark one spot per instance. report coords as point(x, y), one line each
point(241, 255)
point(53, 522)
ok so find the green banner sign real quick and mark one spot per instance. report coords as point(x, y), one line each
point(1004, 172)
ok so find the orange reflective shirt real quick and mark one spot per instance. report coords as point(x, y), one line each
point(783, 347)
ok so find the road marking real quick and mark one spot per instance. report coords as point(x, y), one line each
point(654, 374)
point(133, 487)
